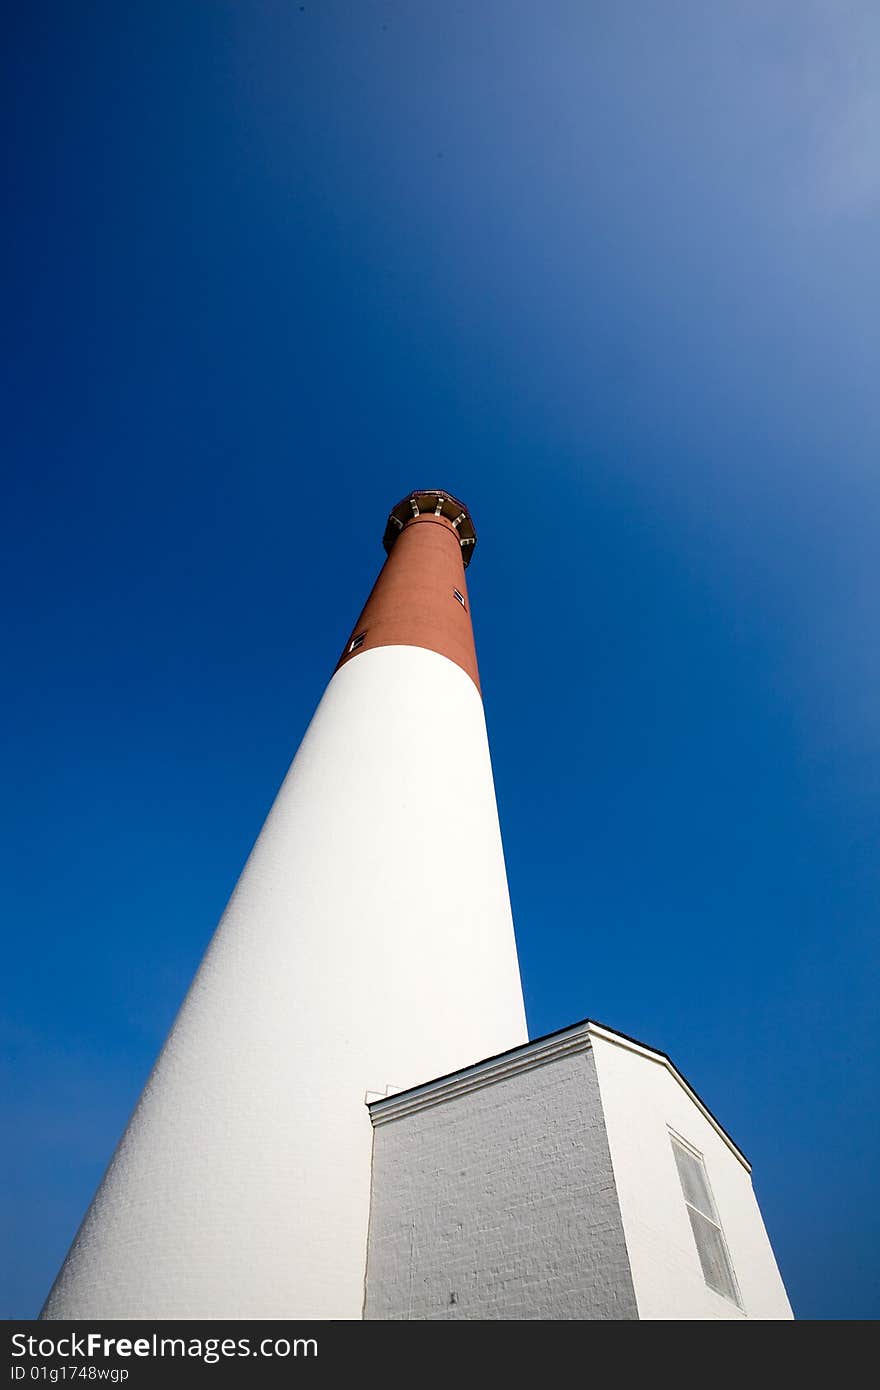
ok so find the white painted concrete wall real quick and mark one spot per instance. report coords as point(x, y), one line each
point(368, 943)
point(641, 1101)
point(498, 1202)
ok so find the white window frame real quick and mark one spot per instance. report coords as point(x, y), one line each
point(678, 1140)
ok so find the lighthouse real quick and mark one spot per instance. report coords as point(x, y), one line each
point(348, 1119)
point(367, 947)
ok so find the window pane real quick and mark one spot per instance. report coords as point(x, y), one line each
point(713, 1256)
point(693, 1181)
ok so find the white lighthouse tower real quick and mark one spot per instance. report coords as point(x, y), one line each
point(367, 947)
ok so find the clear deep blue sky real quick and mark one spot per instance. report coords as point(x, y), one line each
point(607, 271)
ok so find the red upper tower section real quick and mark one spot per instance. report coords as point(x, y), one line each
point(420, 598)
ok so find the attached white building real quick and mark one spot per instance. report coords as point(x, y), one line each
point(576, 1177)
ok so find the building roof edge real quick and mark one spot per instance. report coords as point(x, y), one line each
point(550, 1047)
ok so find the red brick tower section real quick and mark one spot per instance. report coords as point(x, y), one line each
point(420, 598)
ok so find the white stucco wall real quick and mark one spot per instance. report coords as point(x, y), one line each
point(368, 943)
point(642, 1100)
point(493, 1196)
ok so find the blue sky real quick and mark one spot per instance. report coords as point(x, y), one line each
point(609, 273)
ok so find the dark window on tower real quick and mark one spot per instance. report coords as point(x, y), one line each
point(460, 598)
point(357, 641)
point(703, 1216)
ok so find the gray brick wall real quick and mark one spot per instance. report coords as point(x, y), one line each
point(500, 1203)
